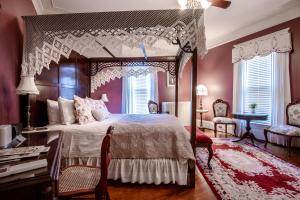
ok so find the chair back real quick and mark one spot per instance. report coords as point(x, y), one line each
point(152, 107)
point(293, 113)
point(220, 108)
point(101, 188)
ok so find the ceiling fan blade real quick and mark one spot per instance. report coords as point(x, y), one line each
point(220, 3)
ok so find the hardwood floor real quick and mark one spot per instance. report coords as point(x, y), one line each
point(172, 192)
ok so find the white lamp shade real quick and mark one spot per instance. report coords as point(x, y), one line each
point(27, 86)
point(201, 90)
point(104, 98)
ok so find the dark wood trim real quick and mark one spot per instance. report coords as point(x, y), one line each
point(176, 86)
point(135, 59)
point(193, 109)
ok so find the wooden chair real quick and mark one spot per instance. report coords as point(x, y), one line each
point(291, 129)
point(153, 107)
point(221, 109)
point(82, 180)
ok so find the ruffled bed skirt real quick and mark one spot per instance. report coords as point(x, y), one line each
point(150, 171)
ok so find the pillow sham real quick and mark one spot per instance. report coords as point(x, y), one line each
point(66, 108)
point(53, 112)
point(83, 111)
point(100, 114)
point(97, 104)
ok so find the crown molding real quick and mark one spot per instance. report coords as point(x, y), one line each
point(256, 27)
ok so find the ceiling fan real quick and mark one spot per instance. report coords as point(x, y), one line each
point(204, 3)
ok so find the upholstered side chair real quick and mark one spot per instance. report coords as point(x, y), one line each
point(153, 107)
point(221, 109)
point(79, 180)
point(290, 130)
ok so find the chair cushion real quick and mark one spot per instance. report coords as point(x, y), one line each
point(223, 120)
point(285, 130)
point(78, 178)
point(200, 136)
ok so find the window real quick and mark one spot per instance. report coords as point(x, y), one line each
point(141, 93)
point(258, 85)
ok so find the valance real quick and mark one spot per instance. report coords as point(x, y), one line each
point(276, 42)
point(48, 37)
point(104, 72)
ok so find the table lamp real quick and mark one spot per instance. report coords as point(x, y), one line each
point(27, 87)
point(201, 91)
point(104, 98)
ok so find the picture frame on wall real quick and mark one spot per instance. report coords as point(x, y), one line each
point(171, 80)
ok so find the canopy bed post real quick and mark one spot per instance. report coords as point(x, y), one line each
point(176, 86)
point(193, 111)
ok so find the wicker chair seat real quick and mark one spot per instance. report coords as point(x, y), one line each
point(78, 178)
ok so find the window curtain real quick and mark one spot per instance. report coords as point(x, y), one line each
point(127, 97)
point(239, 72)
point(281, 91)
point(127, 93)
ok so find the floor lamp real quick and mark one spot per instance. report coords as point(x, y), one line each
point(27, 87)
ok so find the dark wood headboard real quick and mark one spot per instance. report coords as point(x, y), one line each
point(69, 77)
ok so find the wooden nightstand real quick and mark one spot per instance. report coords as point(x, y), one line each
point(35, 184)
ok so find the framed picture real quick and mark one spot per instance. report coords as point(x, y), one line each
point(171, 80)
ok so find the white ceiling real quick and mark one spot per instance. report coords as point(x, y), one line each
point(242, 18)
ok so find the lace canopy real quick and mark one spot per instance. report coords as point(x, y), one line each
point(48, 37)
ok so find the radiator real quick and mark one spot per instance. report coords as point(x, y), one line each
point(184, 110)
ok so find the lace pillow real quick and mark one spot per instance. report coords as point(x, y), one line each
point(100, 114)
point(97, 104)
point(53, 112)
point(83, 111)
point(66, 108)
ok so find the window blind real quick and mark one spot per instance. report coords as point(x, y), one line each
point(258, 86)
point(141, 93)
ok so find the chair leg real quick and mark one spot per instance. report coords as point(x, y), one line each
point(210, 155)
point(234, 130)
point(289, 145)
point(215, 129)
point(266, 137)
point(226, 130)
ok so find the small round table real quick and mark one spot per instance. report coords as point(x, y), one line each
point(201, 111)
point(248, 117)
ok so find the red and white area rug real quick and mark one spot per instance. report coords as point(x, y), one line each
point(241, 172)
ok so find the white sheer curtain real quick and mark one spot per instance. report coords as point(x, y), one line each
point(239, 70)
point(128, 93)
point(281, 91)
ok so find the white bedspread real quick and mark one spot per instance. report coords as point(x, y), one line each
point(135, 136)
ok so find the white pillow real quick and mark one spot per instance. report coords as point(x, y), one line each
point(100, 114)
point(53, 112)
point(66, 108)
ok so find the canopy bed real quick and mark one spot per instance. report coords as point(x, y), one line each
point(162, 40)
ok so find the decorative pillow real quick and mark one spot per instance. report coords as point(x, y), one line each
point(83, 111)
point(53, 112)
point(97, 104)
point(100, 114)
point(66, 108)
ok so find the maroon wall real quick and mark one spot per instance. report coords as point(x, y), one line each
point(113, 89)
point(11, 39)
point(216, 69)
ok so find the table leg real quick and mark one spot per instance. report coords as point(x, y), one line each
point(247, 134)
